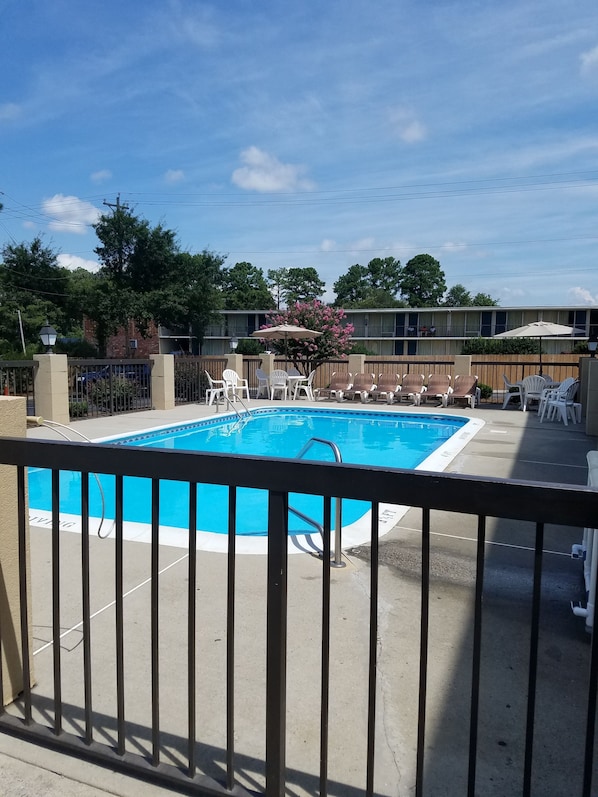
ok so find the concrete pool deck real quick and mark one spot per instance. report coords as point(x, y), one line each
point(511, 444)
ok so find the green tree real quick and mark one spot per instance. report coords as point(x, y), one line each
point(244, 286)
point(483, 300)
point(33, 285)
point(457, 296)
point(422, 282)
point(145, 276)
point(307, 354)
point(277, 278)
point(302, 285)
point(374, 285)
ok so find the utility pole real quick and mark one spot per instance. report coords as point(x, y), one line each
point(116, 207)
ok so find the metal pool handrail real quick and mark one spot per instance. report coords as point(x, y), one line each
point(338, 514)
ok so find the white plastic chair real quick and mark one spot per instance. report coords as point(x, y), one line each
point(279, 383)
point(564, 406)
point(305, 387)
point(532, 387)
point(550, 393)
point(513, 391)
point(216, 390)
point(234, 385)
point(263, 383)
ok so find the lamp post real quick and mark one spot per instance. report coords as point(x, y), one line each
point(592, 344)
point(48, 336)
point(234, 342)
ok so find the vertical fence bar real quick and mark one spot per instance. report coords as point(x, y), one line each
point(588, 767)
point(373, 655)
point(155, 622)
point(325, 667)
point(86, 611)
point(476, 654)
point(192, 630)
point(230, 639)
point(119, 616)
point(423, 653)
point(533, 661)
point(56, 601)
point(23, 593)
point(276, 643)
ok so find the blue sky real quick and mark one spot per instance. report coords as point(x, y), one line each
point(313, 133)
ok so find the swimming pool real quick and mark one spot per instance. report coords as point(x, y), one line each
point(388, 439)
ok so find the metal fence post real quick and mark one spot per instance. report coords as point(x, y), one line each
point(276, 644)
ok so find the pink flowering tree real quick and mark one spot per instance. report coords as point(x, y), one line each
point(307, 354)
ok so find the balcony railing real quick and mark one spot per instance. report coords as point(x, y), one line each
point(202, 649)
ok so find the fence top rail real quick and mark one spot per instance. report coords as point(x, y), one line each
point(19, 364)
point(569, 505)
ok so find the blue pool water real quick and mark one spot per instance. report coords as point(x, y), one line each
point(374, 438)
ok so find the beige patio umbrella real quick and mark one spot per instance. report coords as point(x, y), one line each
point(284, 332)
point(540, 329)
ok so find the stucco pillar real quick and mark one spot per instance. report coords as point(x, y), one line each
point(590, 399)
point(50, 383)
point(162, 381)
point(462, 365)
point(13, 413)
point(356, 364)
point(267, 365)
point(235, 361)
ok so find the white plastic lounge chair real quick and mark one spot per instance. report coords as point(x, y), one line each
point(532, 387)
point(279, 383)
point(412, 387)
point(363, 384)
point(235, 385)
point(512, 392)
point(465, 388)
point(439, 388)
point(305, 386)
point(339, 384)
point(387, 387)
point(216, 390)
point(263, 383)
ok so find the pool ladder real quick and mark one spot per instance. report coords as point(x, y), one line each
point(337, 562)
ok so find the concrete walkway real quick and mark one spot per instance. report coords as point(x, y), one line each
point(511, 444)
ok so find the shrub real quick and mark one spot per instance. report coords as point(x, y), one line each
point(485, 391)
point(115, 394)
point(78, 409)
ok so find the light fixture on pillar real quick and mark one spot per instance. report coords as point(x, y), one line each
point(234, 342)
point(48, 336)
point(592, 344)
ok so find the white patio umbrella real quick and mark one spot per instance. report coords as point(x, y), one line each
point(540, 329)
point(284, 332)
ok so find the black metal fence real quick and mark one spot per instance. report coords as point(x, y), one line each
point(108, 387)
point(190, 381)
point(82, 706)
point(16, 379)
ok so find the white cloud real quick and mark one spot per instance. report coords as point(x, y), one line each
point(328, 245)
point(70, 214)
point(264, 172)
point(582, 296)
point(452, 246)
point(174, 176)
point(407, 126)
point(73, 262)
point(9, 111)
point(589, 61)
point(101, 176)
